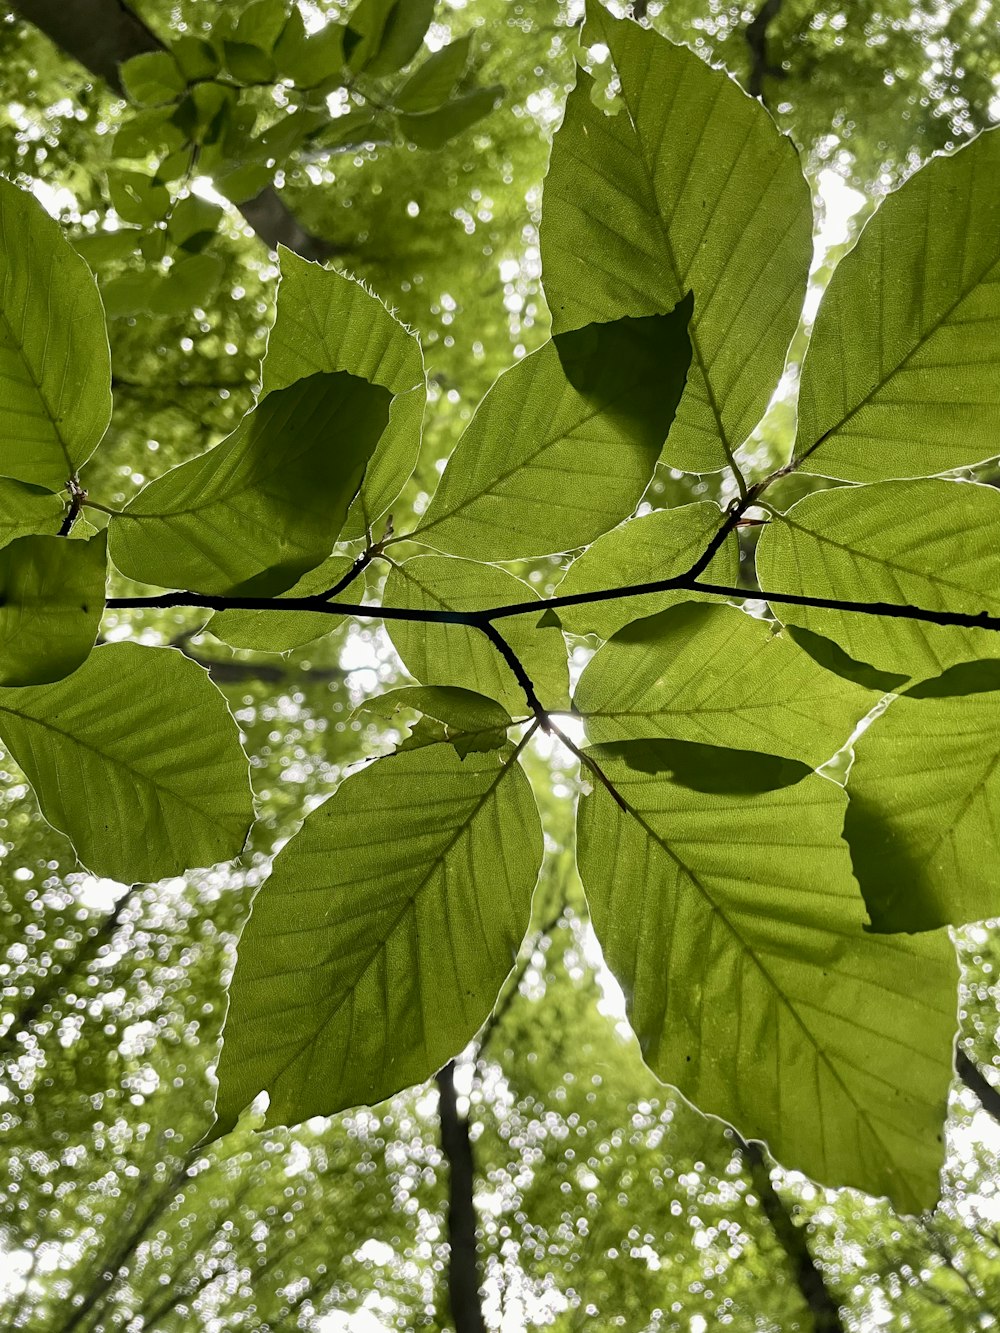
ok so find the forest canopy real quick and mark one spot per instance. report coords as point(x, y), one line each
point(499, 655)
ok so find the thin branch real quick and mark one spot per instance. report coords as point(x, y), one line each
point(523, 679)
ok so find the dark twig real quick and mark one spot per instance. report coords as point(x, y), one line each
point(520, 674)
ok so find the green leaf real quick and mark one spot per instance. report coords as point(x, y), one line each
point(831, 656)
point(107, 247)
point(924, 543)
point(384, 35)
point(432, 83)
point(137, 759)
point(264, 506)
point(187, 283)
point(192, 216)
point(689, 187)
point(51, 602)
point(469, 721)
point(310, 60)
point(735, 928)
point(248, 63)
point(280, 632)
point(368, 960)
point(26, 509)
point(433, 129)
point(55, 364)
point(924, 820)
point(328, 321)
point(714, 674)
point(564, 444)
point(262, 23)
point(901, 376)
point(196, 58)
point(152, 77)
point(439, 654)
point(659, 545)
point(154, 130)
point(137, 197)
point(705, 768)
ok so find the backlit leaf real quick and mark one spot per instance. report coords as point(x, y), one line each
point(265, 505)
point(137, 759)
point(368, 961)
point(689, 187)
point(55, 365)
point(735, 927)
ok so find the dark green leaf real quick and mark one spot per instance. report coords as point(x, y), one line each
point(152, 77)
point(432, 83)
point(433, 129)
point(327, 321)
point(384, 35)
point(831, 656)
point(705, 768)
point(264, 506)
point(26, 509)
point(565, 443)
point(369, 960)
point(55, 365)
point(137, 759)
point(248, 63)
point(191, 216)
point(138, 198)
point(51, 601)
point(196, 58)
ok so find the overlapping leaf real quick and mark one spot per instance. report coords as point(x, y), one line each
point(735, 927)
point(659, 545)
point(689, 187)
point(276, 631)
point(715, 674)
point(565, 443)
point(902, 375)
point(51, 602)
point(924, 819)
point(137, 759)
point(464, 719)
point(326, 321)
point(379, 943)
point(264, 506)
point(27, 509)
point(55, 365)
point(442, 654)
point(932, 544)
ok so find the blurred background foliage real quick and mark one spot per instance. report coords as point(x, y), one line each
point(603, 1200)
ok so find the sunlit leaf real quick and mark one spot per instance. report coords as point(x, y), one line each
point(565, 443)
point(735, 927)
point(689, 187)
point(137, 759)
point(441, 654)
point(901, 376)
point(55, 366)
point(930, 544)
point(368, 961)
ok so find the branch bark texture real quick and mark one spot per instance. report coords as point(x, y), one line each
point(463, 1263)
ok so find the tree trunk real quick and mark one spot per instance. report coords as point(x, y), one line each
point(463, 1264)
point(101, 35)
